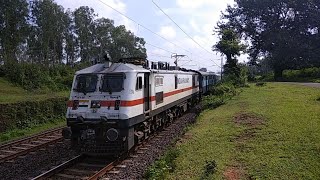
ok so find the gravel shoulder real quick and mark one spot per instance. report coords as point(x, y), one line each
point(33, 164)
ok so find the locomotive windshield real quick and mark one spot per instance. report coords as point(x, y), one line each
point(86, 83)
point(112, 83)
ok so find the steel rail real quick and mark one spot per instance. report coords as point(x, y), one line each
point(24, 146)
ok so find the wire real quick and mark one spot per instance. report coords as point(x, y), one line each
point(140, 25)
point(182, 30)
point(159, 48)
point(144, 26)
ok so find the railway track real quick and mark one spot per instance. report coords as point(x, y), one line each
point(92, 168)
point(23, 146)
point(81, 167)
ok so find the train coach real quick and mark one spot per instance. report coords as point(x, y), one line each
point(113, 107)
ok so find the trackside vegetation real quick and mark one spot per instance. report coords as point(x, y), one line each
point(16, 133)
point(266, 132)
point(24, 113)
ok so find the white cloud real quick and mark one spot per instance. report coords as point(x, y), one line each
point(168, 31)
point(192, 4)
point(198, 18)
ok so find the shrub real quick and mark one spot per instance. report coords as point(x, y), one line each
point(2, 73)
point(261, 84)
point(26, 114)
point(34, 76)
point(223, 89)
point(213, 101)
point(307, 74)
point(219, 94)
point(209, 169)
point(164, 165)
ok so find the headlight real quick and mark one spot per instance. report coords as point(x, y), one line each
point(75, 104)
point(95, 104)
point(112, 134)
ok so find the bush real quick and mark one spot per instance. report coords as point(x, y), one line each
point(213, 101)
point(26, 114)
point(261, 84)
point(2, 73)
point(163, 166)
point(219, 94)
point(223, 89)
point(34, 76)
point(303, 75)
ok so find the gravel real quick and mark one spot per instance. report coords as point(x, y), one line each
point(34, 164)
point(137, 165)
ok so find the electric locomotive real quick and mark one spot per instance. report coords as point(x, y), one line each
point(112, 107)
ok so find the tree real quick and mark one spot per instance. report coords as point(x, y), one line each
point(230, 45)
point(13, 27)
point(286, 31)
point(103, 36)
point(47, 36)
point(126, 44)
point(84, 27)
point(71, 41)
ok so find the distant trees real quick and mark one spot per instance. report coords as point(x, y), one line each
point(13, 28)
point(42, 32)
point(285, 32)
point(230, 46)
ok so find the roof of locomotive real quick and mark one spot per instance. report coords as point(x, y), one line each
point(115, 67)
point(207, 73)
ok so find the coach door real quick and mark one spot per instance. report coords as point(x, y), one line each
point(146, 92)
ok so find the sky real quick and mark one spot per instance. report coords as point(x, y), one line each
point(197, 18)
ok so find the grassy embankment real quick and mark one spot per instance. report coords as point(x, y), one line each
point(270, 132)
point(13, 94)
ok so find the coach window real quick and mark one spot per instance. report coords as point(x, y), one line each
point(159, 81)
point(139, 83)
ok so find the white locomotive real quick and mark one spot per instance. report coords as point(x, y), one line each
point(113, 107)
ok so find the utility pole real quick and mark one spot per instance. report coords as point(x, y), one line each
point(177, 56)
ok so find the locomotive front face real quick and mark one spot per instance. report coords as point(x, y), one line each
point(97, 122)
point(96, 97)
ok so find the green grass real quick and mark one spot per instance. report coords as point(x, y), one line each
point(19, 133)
point(287, 146)
point(11, 94)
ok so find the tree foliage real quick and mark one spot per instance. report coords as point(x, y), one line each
point(230, 45)
point(39, 38)
point(43, 32)
point(284, 31)
point(13, 28)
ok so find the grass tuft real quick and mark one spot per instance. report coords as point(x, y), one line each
point(209, 169)
point(166, 164)
point(261, 84)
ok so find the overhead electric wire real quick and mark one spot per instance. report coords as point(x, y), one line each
point(144, 26)
point(155, 32)
point(159, 48)
point(183, 30)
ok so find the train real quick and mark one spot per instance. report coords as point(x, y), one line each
point(114, 106)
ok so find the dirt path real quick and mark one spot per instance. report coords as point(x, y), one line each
point(316, 85)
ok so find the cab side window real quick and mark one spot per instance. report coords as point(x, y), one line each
point(139, 83)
